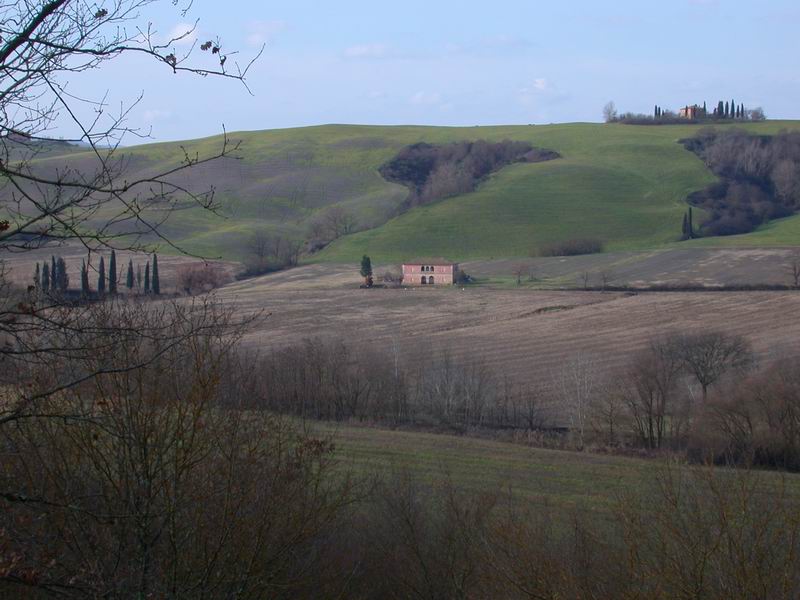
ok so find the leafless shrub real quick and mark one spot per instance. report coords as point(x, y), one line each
point(572, 247)
point(394, 278)
point(201, 277)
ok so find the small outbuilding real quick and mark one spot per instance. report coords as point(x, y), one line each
point(430, 271)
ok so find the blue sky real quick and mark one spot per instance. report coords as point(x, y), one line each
point(440, 62)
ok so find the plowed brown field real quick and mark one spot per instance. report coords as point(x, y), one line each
point(522, 333)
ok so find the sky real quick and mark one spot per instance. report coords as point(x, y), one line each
point(442, 62)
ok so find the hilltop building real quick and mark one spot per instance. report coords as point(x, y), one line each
point(692, 112)
point(435, 271)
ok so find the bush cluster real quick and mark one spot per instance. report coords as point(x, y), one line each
point(572, 247)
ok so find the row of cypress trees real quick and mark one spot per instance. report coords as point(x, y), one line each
point(730, 110)
point(52, 277)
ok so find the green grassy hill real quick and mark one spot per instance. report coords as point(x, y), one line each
point(623, 184)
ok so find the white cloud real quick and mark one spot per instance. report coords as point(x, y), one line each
point(155, 114)
point(539, 90)
point(263, 32)
point(422, 98)
point(541, 84)
point(367, 51)
point(182, 34)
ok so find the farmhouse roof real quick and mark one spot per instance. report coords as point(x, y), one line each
point(429, 261)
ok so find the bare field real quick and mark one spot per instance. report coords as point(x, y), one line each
point(673, 266)
point(523, 333)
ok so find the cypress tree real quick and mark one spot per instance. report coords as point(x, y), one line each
point(139, 277)
point(156, 282)
point(720, 109)
point(112, 273)
point(129, 280)
point(685, 228)
point(37, 278)
point(691, 225)
point(45, 277)
point(84, 279)
point(101, 278)
point(366, 269)
point(733, 110)
point(63, 276)
point(147, 278)
point(53, 273)
point(705, 111)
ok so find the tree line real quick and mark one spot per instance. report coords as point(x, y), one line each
point(51, 278)
point(683, 393)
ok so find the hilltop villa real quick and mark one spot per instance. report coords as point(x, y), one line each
point(691, 112)
point(430, 272)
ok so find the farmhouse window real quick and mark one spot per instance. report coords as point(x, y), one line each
point(430, 279)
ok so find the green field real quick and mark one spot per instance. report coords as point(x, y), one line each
point(559, 480)
point(623, 184)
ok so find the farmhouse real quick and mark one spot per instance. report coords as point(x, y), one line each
point(691, 112)
point(435, 271)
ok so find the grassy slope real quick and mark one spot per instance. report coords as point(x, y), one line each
point(624, 184)
point(563, 481)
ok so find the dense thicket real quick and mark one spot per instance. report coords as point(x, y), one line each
point(433, 172)
point(759, 179)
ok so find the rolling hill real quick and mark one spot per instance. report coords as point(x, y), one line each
point(623, 184)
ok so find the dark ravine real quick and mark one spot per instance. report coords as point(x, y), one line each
point(434, 172)
point(759, 179)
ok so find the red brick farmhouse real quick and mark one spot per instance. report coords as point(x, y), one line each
point(435, 271)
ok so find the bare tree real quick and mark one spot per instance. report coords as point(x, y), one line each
point(339, 221)
point(46, 43)
point(650, 390)
point(606, 277)
point(585, 277)
point(610, 112)
point(710, 355)
point(46, 46)
point(54, 357)
point(259, 245)
point(576, 383)
point(518, 271)
point(148, 485)
point(793, 269)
